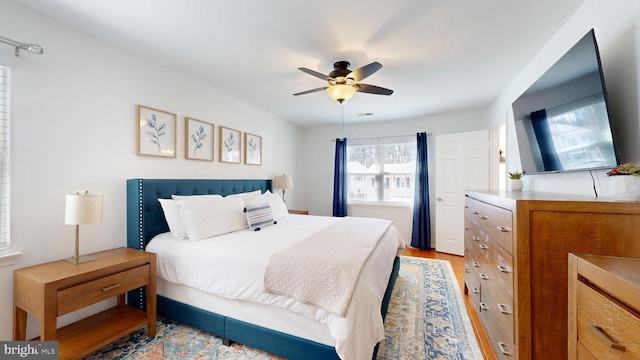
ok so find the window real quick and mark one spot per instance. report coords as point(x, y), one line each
point(4, 158)
point(381, 172)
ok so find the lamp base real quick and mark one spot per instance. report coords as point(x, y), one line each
point(80, 259)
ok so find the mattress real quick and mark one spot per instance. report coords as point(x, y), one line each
point(224, 275)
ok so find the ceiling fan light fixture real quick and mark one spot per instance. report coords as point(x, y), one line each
point(341, 92)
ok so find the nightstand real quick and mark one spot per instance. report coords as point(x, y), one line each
point(50, 290)
point(604, 307)
point(299, 212)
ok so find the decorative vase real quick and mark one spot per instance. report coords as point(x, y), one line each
point(516, 184)
point(624, 187)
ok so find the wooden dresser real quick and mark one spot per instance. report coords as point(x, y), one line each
point(604, 307)
point(516, 256)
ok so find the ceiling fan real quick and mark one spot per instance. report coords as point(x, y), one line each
point(343, 83)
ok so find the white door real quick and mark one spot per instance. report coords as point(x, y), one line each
point(462, 162)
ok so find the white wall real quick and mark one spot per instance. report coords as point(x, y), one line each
point(73, 127)
point(617, 29)
point(320, 150)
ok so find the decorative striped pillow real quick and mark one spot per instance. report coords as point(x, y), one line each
point(259, 216)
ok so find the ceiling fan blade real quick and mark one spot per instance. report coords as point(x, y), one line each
point(310, 91)
point(372, 89)
point(314, 73)
point(365, 71)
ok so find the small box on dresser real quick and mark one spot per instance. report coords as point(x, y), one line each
point(604, 307)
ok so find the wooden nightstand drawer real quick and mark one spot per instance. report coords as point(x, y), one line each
point(606, 328)
point(78, 296)
point(604, 307)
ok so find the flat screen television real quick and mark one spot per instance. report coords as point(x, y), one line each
point(562, 122)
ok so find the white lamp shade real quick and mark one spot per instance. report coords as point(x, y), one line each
point(82, 209)
point(283, 182)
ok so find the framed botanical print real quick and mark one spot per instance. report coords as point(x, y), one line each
point(230, 145)
point(198, 143)
point(252, 149)
point(156, 132)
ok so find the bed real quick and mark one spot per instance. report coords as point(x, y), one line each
point(290, 334)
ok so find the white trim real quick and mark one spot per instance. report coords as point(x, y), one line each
point(9, 258)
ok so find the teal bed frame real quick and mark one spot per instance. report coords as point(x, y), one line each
point(145, 220)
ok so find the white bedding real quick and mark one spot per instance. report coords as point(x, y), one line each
point(232, 266)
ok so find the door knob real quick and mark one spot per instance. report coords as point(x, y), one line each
point(439, 198)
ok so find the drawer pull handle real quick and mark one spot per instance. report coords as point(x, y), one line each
point(483, 217)
point(475, 264)
point(105, 289)
point(483, 246)
point(475, 238)
point(467, 270)
point(504, 269)
point(504, 229)
point(476, 212)
point(475, 290)
point(484, 276)
point(504, 309)
point(600, 334)
point(483, 307)
point(503, 348)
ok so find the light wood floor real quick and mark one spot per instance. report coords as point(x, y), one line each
point(457, 263)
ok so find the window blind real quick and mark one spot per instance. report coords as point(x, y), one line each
point(4, 158)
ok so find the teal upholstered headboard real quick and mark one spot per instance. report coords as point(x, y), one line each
point(145, 218)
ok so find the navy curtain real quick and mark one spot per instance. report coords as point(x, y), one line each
point(542, 130)
point(421, 234)
point(340, 179)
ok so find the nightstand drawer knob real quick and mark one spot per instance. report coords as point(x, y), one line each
point(105, 289)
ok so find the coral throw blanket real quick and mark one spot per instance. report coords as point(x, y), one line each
point(323, 269)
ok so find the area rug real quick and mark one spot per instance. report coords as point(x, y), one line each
point(427, 319)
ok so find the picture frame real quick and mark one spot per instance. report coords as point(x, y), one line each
point(230, 145)
point(198, 142)
point(252, 149)
point(156, 132)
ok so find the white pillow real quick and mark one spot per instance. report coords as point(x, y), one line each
point(259, 216)
point(174, 218)
point(278, 207)
point(206, 217)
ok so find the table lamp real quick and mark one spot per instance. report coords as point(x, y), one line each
point(82, 208)
point(283, 182)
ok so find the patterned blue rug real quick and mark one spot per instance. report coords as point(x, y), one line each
point(427, 319)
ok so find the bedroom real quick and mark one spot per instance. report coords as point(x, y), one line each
point(80, 93)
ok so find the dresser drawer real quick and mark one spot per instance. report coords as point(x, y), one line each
point(497, 223)
point(502, 264)
point(78, 296)
point(501, 340)
point(501, 304)
point(472, 210)
point(473, 286)
point(602, 321)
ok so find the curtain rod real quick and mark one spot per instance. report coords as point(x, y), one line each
point(383, 137)
point(32, 48)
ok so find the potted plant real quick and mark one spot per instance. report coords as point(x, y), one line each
point(624, 182)
point(515, 182)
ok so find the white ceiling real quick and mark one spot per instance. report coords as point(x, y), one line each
point(437, 55)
